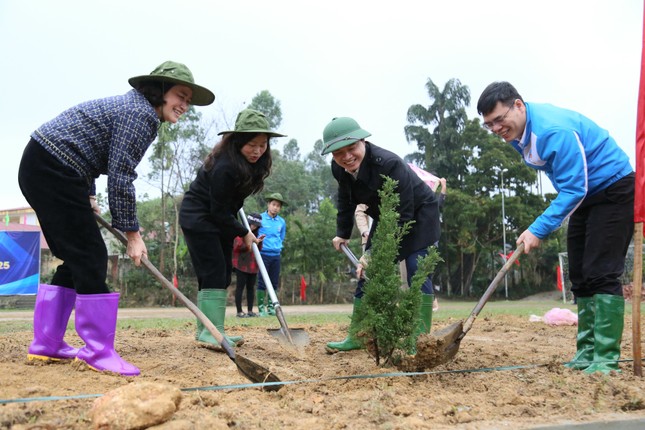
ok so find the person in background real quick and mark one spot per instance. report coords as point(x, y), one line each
point(442, 201)
point(107, 136)
point(595, 185)
point(274, 229)
point(362, 223)
point(236, 168)
point(246, 268)
point(358, 166)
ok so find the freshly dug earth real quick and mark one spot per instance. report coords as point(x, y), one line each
point(454, 395)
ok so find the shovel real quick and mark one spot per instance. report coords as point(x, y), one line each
point(352, 258)
point(449, 338)
point(250, 370)
point(295, 337)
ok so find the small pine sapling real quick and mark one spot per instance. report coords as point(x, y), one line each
point(388, 319)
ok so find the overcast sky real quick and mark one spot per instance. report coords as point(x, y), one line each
point(364, 59)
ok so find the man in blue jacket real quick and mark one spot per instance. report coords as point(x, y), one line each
point(274, 228)
point(595, 185)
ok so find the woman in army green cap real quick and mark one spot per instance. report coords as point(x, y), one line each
point(107, 136)
point(235, 168)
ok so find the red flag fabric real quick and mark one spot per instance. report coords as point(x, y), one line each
point(175, 282)
point(303, 289)
point(507, 256)
point(428, 178)
point(639, 198)
point(559, 277)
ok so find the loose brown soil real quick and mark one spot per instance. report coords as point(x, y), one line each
point(324, 395)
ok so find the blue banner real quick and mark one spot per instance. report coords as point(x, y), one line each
point(19, 262)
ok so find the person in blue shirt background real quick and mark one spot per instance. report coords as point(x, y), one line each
point(595, 185)
point(274, 228)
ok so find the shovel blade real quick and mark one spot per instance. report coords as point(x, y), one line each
point(298, 335)
point(256, 373)
point(442, 345)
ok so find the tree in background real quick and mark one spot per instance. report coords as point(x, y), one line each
point(176, 155)
point(267, 104)
point(472, 161)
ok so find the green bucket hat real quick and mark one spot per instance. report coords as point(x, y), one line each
point(177, 73)
point(276, 196)
point(341, 132)
point(252, 121)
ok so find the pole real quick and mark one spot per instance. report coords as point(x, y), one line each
point(637, 284)
point(504, 233)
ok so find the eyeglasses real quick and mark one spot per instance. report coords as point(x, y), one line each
point(497, 121)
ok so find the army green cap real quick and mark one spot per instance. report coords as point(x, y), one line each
point(177, 73)
point(252, 121)
point(276, 196)
point(341, 132)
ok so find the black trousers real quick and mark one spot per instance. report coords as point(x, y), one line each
point(598, 238)
point(211, 254)
point(244, 281)
point(59, 196)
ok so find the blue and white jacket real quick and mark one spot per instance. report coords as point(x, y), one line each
point(578, 156)
point(275, 230)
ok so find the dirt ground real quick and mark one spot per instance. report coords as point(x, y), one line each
point(475, 391)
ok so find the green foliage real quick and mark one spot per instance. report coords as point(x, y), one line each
point(388, 317)
point(267, 104)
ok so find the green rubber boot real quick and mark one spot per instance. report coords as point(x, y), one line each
point(608, 332)
point(585, 338)
point(261, 295)
point(350, 342)
point(425, 319)
point(270, 308)
point(213, 304)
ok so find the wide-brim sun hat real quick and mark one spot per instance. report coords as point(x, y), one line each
point(177, 73)
point(341, 132)
point(252, 121)
point(276, 196)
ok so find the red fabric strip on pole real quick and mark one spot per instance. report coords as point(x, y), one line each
point(639, 201)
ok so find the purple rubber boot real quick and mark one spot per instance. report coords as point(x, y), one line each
point(53, 307)
point(96, 325)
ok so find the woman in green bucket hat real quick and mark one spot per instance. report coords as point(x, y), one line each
point(59, 165)
point(235, 168)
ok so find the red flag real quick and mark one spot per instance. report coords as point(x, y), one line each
point(507, 256)
point(303, 289)
point(559, 277)
point(175, 281)
point(639, 198)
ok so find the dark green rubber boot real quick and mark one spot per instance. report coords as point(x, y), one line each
point(350, 342)
point(425, 318)
point(213, 304)
point(262, 310)
point(608, 332)
point(585, 338)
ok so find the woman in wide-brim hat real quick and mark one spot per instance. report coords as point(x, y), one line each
point(236, 168)
point(59, 165)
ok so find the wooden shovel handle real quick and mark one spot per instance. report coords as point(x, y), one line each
point(166, 283)
point(491, 288)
